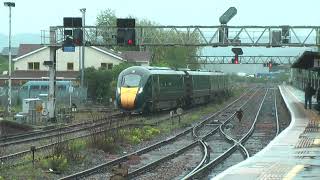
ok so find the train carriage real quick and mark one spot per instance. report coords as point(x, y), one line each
point(148, 89)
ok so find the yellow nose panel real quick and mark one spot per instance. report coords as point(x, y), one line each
point(128, 95)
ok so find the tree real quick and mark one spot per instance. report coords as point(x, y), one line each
point(172, 56)
point(98, 83)
point(107, 18)
point(101, 82)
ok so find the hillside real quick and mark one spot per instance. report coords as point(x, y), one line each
point(19, 39)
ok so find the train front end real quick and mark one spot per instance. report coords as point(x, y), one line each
point(129, 94)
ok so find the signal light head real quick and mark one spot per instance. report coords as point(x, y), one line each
point(130, 42)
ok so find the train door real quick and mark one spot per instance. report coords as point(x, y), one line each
point(155, 91)
point(148, 87)
point(188, 88)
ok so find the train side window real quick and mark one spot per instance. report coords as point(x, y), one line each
point(24, 87)
point(61, 87)
point(34, 87)
point(44, 88)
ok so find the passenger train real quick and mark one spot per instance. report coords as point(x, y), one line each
point(143, 89)
point(34, 88)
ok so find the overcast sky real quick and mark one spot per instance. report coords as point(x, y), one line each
point(31, 16)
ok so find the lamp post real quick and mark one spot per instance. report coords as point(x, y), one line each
point(9, 4)
point(83, 11)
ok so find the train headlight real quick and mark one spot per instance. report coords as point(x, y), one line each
point(140, 90)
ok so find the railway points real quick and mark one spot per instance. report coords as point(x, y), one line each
point(288, 156)
point(188, 120)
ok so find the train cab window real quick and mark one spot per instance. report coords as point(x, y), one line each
point(131, 80)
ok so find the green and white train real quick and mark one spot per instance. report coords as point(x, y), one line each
point(148, 89)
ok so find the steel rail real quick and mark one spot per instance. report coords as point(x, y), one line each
point(24, 135)
point(227, 153)
point(5, 158)
point(59, 133)
point(229, 138)
point(144, 150)
point(16, 139)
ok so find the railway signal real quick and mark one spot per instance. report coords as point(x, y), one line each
point(270, 65)
point(235, 60)
point(73, 35)
point(126, 33)
point(237, 52)
point(78, 37)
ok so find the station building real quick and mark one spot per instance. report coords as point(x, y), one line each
point(306, 69)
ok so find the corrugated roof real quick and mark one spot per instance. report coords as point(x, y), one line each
point(306, 60)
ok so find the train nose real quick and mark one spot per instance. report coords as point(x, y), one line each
point(128, 96)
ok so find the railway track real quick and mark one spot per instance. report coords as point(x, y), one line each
point(12, 160)
point(147, 166)
point(39, 135)
point(237, 139)
point(235, 144)
point(199, 140)
point(114, 121)
point(62, 128)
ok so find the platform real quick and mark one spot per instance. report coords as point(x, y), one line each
point(293, 154)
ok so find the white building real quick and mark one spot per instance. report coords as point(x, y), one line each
point(31, 57)
point(28, 64)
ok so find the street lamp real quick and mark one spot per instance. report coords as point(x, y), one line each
point(9, 4)
point(83, 11)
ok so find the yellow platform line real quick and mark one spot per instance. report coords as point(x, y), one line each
point(293, 172)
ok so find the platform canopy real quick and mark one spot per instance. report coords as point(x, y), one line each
point(308, 60)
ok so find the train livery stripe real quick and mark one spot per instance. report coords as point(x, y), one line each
point(128, 96)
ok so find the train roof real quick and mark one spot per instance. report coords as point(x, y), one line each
point(46, 83)
point(167, 70)
point(200, 73)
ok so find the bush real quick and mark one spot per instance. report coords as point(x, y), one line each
point(137, 135)
point(134, 139)
point(103, 142)
point(74, 149)
point(56, 163)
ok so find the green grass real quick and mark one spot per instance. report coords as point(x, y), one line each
point(188, 119)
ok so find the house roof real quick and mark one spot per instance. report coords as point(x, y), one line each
point(108, 52)
point(5, 51)
point(39, 75)
point(136, 56)
point(28, 48)
point(130, 56)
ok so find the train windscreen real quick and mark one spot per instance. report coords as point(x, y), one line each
point(131, 80)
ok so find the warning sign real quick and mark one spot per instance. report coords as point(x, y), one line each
point(39, 108)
